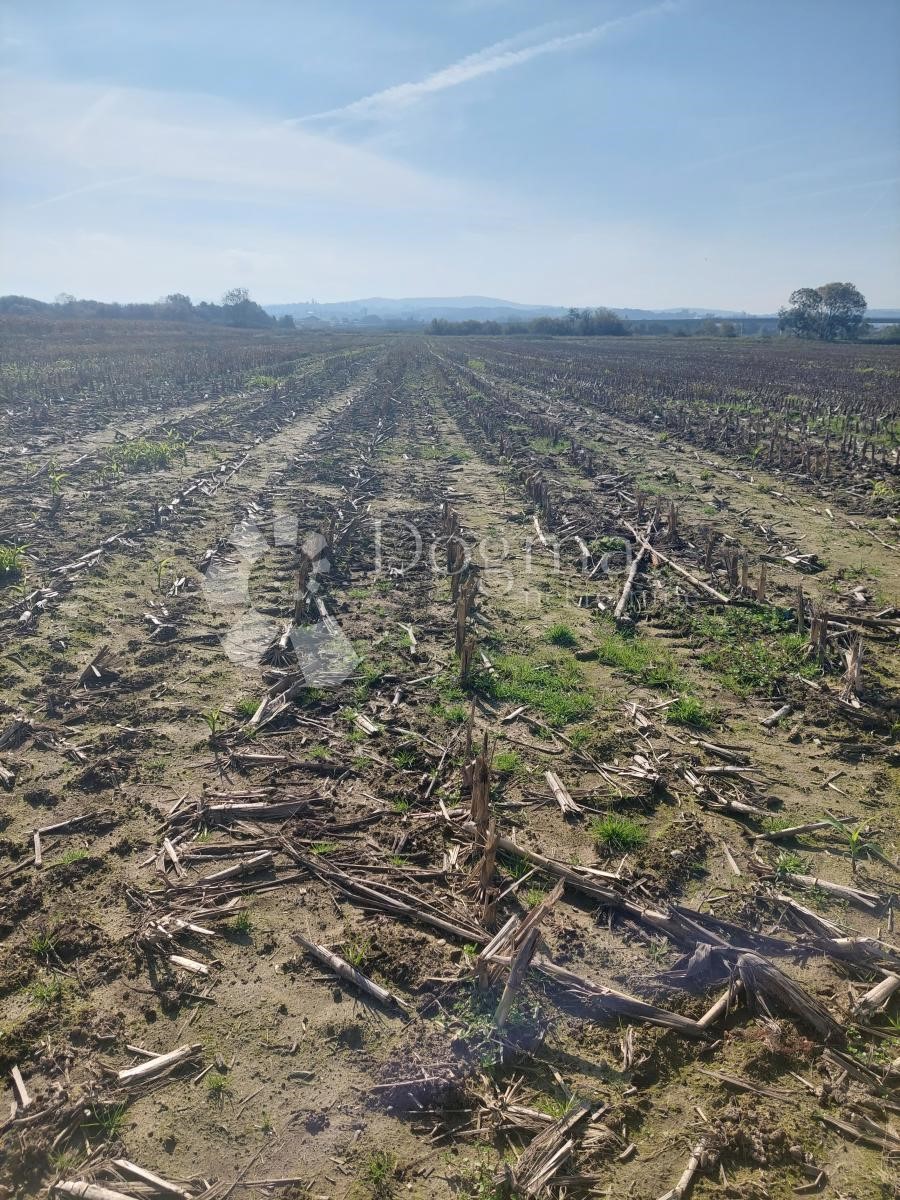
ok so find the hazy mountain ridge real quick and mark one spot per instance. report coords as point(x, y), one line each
point(465, 308)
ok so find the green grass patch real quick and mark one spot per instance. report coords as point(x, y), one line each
point(217, 1087)
point(146, 454)
point(617, 833)
point(556, 689)
point(688, 710)
point(789, 863)
point(71, 856)
point(323, 848)
point(639, 659)
point(753, 650)
point(379, 1173)
point(507, 762)
point(560, 635)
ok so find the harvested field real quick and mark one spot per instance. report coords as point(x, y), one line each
point(448, 767)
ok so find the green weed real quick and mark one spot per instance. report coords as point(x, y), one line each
point(617, 834)
point(144, 454)
point(42, 944)
point(356, 950)
point(555, 689)
point(109, 1120)
point(560, 635)
point(217, 1088)
point(789, 863)
point(324, 848)
point(47, 991)
point(516, 868)
point(687, 710)
point(71, 856)
point(753, 650)
point(379, 1173)
point(556, 1107)
point(507, 762)
point(241, 922)
point(639, 659)
point(12, 560)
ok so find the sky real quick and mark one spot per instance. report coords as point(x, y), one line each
point(715, 153)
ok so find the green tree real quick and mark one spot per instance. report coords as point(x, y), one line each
point(830, 312)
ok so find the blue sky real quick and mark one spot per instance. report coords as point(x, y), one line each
point(698, 152)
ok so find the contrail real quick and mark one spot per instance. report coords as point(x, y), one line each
point(484, 62)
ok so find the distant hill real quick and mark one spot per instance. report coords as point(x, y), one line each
point(421, 309)
point(418, 309)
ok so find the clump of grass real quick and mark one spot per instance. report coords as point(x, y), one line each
point(457, 713)
point(639, 659)
point(146, 454)
point(789, 863)
point(480, 1186)
point(401, 806)
point(109, 1120)
point(754, 651)
point(582, 736)
point(555, 1106)
point(62, 1161)
point(42, 943)
point(71, 856)
point(560, 635)
point(606, 545)
point(405, 758)
point(532, 896)
point(617, 834)
point(516, 868)
point(555, 688)
point(323, 848)
point(507, 762)
point(247, 707)
point(379, 1173)
point(776, 824)
point(688, 710)
point(356, 950)
point(217, 1088)
point(12, 560)
point(241, 923)
point(47, 991)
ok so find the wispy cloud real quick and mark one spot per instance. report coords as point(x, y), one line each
point(82, 138)
point(488, 61)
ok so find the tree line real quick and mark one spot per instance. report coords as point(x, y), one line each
point(578, 322)
point(236, 309)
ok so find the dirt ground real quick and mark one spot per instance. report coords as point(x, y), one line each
point(267, 616)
